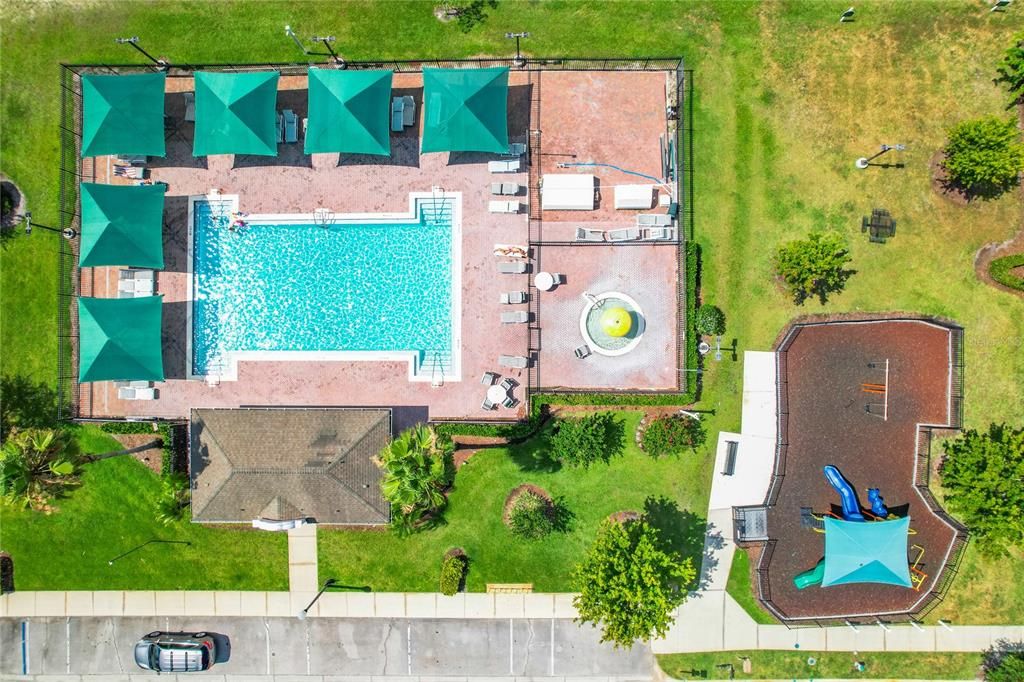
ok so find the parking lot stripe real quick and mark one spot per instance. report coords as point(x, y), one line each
point(511, 649)
point(408, 648)
point(266, 626)
point(67, 644)
point(551, 671)
point(24, 647)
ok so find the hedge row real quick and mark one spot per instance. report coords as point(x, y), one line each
point(1000, 270)
point(164, 430)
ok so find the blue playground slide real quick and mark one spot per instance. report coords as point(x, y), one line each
point(878, 507)
point(851, 509)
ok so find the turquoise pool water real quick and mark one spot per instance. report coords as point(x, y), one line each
point(344, 287)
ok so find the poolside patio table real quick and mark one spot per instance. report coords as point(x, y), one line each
point(496, 394)
point(544, 281)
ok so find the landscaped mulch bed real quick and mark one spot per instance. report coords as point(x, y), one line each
point(151, 457)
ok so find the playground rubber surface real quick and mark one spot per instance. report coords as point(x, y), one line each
point(826, 366)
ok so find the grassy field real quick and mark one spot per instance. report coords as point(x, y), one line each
point(836, 665)
point(112, 512)
point(677, 488)
point(785, 100)
point(742, 590)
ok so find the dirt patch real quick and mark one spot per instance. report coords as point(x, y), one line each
point(624, 516)
point(151, 457)
point(941, 184)
point(467, 446)
point(519, 490)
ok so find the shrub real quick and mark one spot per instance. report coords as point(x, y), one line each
point(982, 473)
point(1011, 69)
point(710, 320)
point(984, 156)
point(174, 499)
point(1000, 269)
point(38, 466)
point(1004, 662)
point(582, 442)
point(530, 516)
point(672, 436)
point(453, 569)
point(813, 266)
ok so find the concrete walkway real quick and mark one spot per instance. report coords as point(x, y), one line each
point(302, 559)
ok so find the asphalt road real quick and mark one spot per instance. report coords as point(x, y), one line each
point(328, 646)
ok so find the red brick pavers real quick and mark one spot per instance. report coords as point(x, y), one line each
point(828, 425)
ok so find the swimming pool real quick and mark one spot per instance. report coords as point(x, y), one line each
point(315, 287)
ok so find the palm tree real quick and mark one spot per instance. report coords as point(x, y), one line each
point(415, 468)
point(38, 465)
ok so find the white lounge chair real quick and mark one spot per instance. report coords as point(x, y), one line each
point(514, 361)
point(653, 220)
point(510, 166)
point(129, 393)
point(659, 233)
point(624, 235)
point(513, 297)
point(505, 188)
point(515, 317)
point(408, 110)
point(504, 207)
point(291, 126)
point(512, 267)
point(587, 234)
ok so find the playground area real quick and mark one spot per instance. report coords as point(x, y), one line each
point(853, 534)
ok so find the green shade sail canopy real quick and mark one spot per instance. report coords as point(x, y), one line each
point(866, 552)
point(235, 113)
point(466, 110)
point(122, 225)
point(349, 112)
point(119, 339)
point(123, 114)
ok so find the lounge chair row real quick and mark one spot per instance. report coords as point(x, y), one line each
point(133, 282)
point(403, 112)
point(626, 234)
point(135, 390)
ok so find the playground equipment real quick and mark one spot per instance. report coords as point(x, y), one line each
point(851, 508)
point(877, 388)
point(917, 576)
point(812, 576)
point(877, 503)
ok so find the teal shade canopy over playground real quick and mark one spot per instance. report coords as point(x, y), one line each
point(235, 113)
point(123, 114)
point(348, 112)
point(466, 110)
point(866, 552)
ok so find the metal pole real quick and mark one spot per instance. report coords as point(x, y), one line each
point(290, 33)
point(305, 612)
point(68, 232)
point(134, 42)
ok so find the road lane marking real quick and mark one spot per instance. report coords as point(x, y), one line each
point(266, 626)
point(511, 649)
point(551, 670)
point(67, 642)
point(24, 647)
point(306, 623)
point(408, 648)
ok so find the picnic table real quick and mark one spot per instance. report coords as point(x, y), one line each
point(880, 226)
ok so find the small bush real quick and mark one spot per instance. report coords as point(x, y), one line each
point(530, 516)
point(1000, 269)
point(985, 156)
point(174, 499)
point(582, 442)
point(814, 266)
point(453, 569)
point(672, 436)
point(1004, 662)
point(710, 320)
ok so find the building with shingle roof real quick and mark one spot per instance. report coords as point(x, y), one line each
point(288, 463)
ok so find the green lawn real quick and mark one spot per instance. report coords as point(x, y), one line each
point(384, 561)
point(741, 589)
point(793, 665)
point(113, 512)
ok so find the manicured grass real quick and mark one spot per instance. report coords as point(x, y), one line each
point(742, 590)
point(793, 665)
point(112, 512)
point(385, 561)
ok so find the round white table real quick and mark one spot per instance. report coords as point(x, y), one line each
point(496, 394)
point(544, 281)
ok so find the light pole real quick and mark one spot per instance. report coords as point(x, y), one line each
point(291, 34)
point(327, 40)
point(134, 42)
point(863, 162)
point(330, 582)
point(68, 232)
point(520, 61)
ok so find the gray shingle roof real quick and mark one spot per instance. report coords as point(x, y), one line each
point(288, 463)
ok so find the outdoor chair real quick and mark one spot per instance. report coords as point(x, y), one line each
point(140, 384)
point(515, 317)
point(623, 235)
point(190, 106)
point(659, 233)
point(489, 378)
point(587, 234)
point(487, 404)
point(408, 110)
point(496, 188)
point(513, 297)
point(514, 361)
point(510, 166)
point(504, 207)
point(582, 351)
point(508, 383)
point(510, 402)
point(516, 149)
point(653, 220)
point(397, 114)
point(512, 267)
point(291, 126)
point(510, 188)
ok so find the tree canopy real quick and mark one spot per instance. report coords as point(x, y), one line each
point(984, 156)
point(1011, 69)
point(587, 440)
point(416, 472)
point(38, 466)
point(814, 266)
point(983, 473)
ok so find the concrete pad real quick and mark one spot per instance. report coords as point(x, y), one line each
point(812, 639)
point(389, 604)
point(564, 607)
point(909, 638)
point(963, 638)
point(108, 603)
point(508, 605)
point(539, 605)
point(279, 604)
point(1011, 633)
point(302, 578)
point(701, 619)
point(252, 603)
point(333, 605)
point(775, 637)
point(227, 603)
point(740, 628)
point(843, 638)
point(200, 603)
point(20, 604)
point(451, 607)
point(360, 605)
point(139, 603)
point(421, 605)
point(51, 603)
point(170, 603)
point(479, 605)
point(79, 603)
